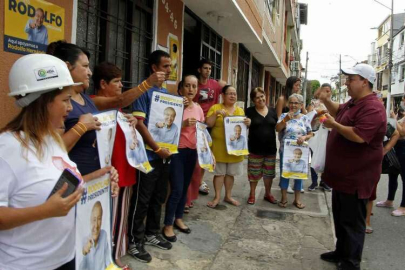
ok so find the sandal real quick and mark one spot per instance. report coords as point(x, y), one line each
point(299, 205)
point(270, 199)
point(251, 200)
point(204, 189)
point(186, 210)
point(398, 213)
point(384, 204)
point(191, 205)
point(282, 204)
point(369, 230)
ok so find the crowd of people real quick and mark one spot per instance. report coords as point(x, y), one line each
point(56, 120)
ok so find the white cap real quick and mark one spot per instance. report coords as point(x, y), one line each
point(364, 70)
point(35, 74)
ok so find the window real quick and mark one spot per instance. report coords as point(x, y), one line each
point(273, 6)
point(402, 39)
point(118, 31)
point(402, 74)
point(211, 49)
point(243, 73)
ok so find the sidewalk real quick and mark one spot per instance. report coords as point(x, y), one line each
point(260, 236)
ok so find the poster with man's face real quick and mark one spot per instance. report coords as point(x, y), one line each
point(205, 157)
point(93, 219)
point(29, 26)
point(165, 120)
point(295, 160)
point(236, 135)
point(135, 147)
point(106, 136)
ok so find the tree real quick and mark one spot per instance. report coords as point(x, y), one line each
point(312, 86)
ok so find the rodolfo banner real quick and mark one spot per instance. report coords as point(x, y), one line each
point(93, 220)
point(30, 25)
point(295, 160)
point(235, 136)
point(165, 119)
point(134, 145)
point(204, 141)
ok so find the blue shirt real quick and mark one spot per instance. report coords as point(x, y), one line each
point(85, 152)
point(238, 144)
point(39, 35)
point(99, 256)
point(141, 109)
point(296, 166)
point(164, 134)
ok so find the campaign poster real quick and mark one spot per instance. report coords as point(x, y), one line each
point(106, 136)
point(135, 147)
point(93, 220)
point(29, 26)
point(295, 160)
point(236, 136)
point(204, 141)
point(173, 45)
point(165, 120)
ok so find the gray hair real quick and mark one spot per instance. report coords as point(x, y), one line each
point(299, 97)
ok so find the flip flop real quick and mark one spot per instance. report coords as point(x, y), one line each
point(282, 204)
point(186, 210)
point(212, 205)
point(369, 230)
point(383, 204)
point(232, 202)
point(398, 213)
point(299, 205)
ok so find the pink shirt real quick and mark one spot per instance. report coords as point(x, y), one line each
point(187, 136)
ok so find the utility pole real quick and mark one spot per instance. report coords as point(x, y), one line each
point(390, 59)
point(305, 82)
point(340, 79)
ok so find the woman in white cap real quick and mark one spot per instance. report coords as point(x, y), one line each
point(37, 232)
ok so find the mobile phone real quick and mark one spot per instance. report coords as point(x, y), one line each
point(69, 178)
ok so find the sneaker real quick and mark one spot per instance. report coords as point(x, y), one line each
point(138, 251)
point(325, 186)
point(290, 190)
point(302, 190)
point(157, 241)
point(312, 187)
point(330, 257)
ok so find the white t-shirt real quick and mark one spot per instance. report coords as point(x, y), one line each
point(27, 182)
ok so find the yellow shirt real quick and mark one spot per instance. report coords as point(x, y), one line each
point(218, 135)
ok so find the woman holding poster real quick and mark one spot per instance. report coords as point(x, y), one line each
point(227, 166)
point(37, 232)
point(182, 164)
point(295, 126)
point(262, 145)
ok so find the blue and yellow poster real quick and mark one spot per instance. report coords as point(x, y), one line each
point(30, 25)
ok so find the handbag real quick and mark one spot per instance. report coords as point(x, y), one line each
point(390, 163)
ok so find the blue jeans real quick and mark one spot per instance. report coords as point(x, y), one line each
point(181, 171)
point(393, 177)
point(284, 182)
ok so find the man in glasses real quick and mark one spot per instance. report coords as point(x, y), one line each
point(354, 153)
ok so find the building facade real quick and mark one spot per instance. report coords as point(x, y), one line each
point(250, 42)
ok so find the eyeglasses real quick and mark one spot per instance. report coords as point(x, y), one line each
point(294, 103)
point(230, 94)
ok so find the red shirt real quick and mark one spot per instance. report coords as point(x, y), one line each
point(352, 167)
point(208, 94)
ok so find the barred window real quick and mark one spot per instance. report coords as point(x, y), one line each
point(118, 31)
point(211, 49)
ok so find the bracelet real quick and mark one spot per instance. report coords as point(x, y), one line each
point(158, 150)
point(146, 88)
point(83, 126)
point(140, 89)
point(147, 84)
point(78, 134)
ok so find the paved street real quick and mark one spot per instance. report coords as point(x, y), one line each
point(384, 248)
point(263, 236)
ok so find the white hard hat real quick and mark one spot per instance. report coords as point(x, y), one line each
point(35, 74)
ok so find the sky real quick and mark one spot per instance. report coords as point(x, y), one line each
point(341, 27)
